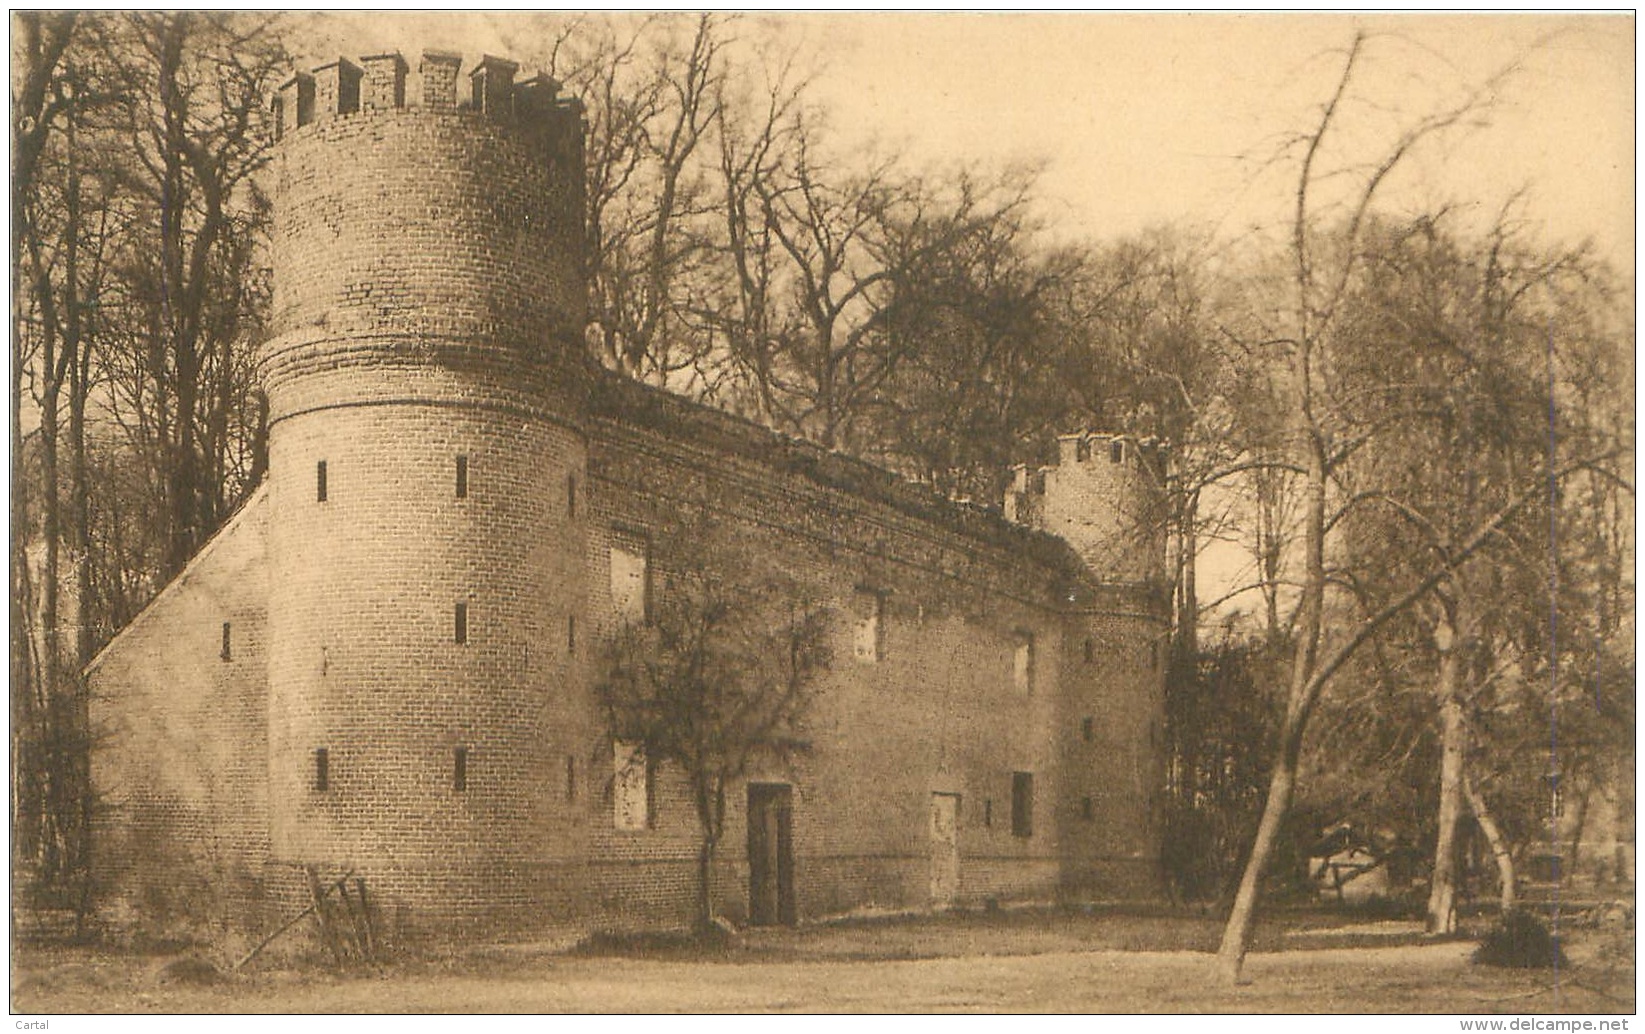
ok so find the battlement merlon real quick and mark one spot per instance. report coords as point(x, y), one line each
point(342, 88)
point(1148, 453)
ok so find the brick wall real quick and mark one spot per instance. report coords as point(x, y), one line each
point(364, 661)
point(939, 712)
point(180, 768)
point(1110, 743)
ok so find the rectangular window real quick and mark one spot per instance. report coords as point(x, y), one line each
point(228, 642)
point(868, 642)
point(1090, 651)
point(988, 811)
point(460, 623)
point(631, 786)
point(1116, 451)
point(459, 769)
point(1022, 664)
point(462, 477)
point(630, 578)
point(1087, 810)
point(320, 481)
point(1088, 729)
point(322, 769)
point(1022, 804)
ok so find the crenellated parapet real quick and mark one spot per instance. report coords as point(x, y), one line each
point(1104, 496)
point(381, 82)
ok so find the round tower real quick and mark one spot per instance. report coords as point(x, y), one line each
point(426, 453)
point(1104, 497)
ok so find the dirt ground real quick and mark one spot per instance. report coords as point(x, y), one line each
point(1027, 962)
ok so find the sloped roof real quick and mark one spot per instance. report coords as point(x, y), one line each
point(624, 400)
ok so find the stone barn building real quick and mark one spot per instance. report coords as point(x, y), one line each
point(384, 663)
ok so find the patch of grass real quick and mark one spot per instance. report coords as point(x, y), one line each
point(1380, 907)
point(670, 944)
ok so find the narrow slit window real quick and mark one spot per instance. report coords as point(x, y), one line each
point(1088, 729)
point(320, 481)
point(459, 769)
point(571, 633)
point(1022, 804)
point(570, 777)
point(462, 477)
point(460, 621)
point(1082, 450)
point(571, 496)
point(1153, 656)
point(1116, 451)
point(1087, 810)
point(322, 769)
point(988, 811)
point(228, 642)
point(1090, 651)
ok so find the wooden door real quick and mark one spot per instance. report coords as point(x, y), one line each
point(770, 854)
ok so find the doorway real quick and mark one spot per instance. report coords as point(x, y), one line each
point(770, 854)
point(945, 849)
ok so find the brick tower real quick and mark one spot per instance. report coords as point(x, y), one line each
point(1103, 497)
point(426, 449)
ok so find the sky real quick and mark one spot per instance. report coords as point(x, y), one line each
point(1155, 118)
point(1145, 119)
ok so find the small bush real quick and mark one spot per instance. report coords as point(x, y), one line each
point(190, 969)
point(1519, 940)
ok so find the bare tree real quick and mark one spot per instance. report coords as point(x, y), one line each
point(38, 112)
point(197, 125)
point(718, 679)
point(848, 241)
point(1323, 438)
point(117, 254)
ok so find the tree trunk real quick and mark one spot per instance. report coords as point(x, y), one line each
point(51, 535)
point(709, 796)
point(1186, 638)
point(1493, 836)
point(1236, 937)
point(80, 514)
point(1567, 864)
point(1441, 918)
point(705, 880)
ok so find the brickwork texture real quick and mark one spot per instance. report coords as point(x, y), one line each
point(414, 601)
